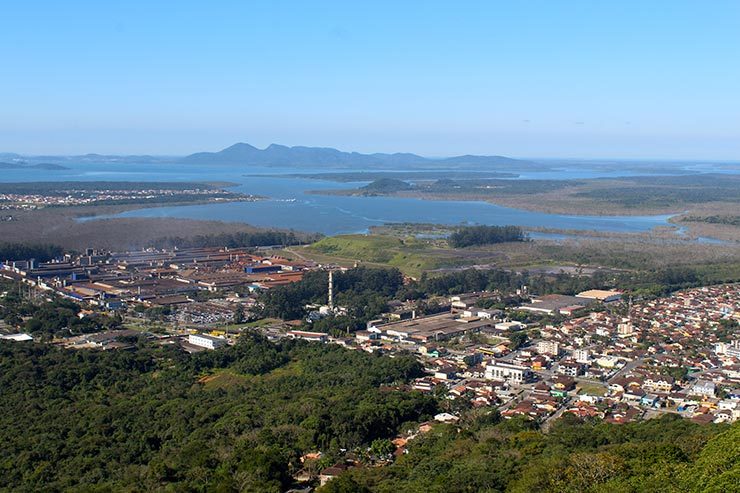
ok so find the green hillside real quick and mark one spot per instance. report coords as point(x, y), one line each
point(664, 455)
point(410, 255)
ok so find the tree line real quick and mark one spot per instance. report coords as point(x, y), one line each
point(236, 240)
point(485, 235)
point(43, 252)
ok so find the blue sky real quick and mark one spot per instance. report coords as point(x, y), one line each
point(657, 79)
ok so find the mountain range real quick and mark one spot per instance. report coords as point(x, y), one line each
point(276, 155)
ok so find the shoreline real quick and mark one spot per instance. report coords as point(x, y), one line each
point(511, 203)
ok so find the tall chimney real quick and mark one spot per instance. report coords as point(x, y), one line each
point(331, 290)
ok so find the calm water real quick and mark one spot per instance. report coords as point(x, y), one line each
point(289, 206)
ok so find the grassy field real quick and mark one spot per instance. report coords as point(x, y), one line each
point(414, 255)
point(411, 255)
point(592, 389)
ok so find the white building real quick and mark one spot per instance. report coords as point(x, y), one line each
point(21, 337)
point(548, 347)
point(484, 314)
point(506, 326)
point(570, 368)
point(607, 362)
point(446, 418)
point(704, 388)
point(582, 356)
point(731, 350)
point(625, 329)
point(206, 341)
point(308, 336)
point(508, 372)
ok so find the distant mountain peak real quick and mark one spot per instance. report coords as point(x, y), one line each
point(238, 147)
point(274, 146)
point(326, 157)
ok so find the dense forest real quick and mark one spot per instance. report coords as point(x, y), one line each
point(153, 419)
point(485, 235)
point(239, 419)
point(24, 251)
point(237, 240)
point(488, 455)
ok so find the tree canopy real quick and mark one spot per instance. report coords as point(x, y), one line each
point(157, 419)
point(485, 235)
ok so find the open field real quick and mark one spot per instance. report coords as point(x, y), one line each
point(592, 389)
point(413, 255)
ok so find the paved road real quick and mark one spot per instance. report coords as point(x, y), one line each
point(547, 423)
point(627, 368)
point(520, 396)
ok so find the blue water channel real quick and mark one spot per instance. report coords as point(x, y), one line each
point(290, 205)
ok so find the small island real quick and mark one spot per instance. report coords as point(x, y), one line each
point(39, 166)
point(386, 185)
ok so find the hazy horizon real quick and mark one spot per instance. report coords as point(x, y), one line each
point(592, 80)
point(593, 159)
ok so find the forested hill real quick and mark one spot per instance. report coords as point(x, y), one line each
point(238, 419)
point(160, 420)
point(663, 455)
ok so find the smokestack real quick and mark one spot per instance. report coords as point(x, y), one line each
point(331, 290)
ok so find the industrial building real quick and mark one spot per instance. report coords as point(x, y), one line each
point(206, 341)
